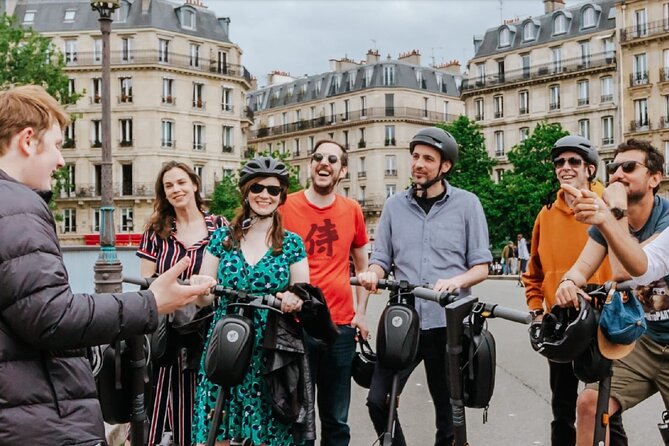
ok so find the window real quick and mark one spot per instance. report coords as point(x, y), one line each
point(97, 51)
point(528, 31)
point(560, 24)
point(296, 147)
point(640, 115)
point(389, 135)
point(96, 133)
point(361, 195)
point(333, 112)
point(556, 57)
point(446, 110)
point(96, 220)
point(664, 71)
point(664, 119)
point(362, 142)
point(198, 89)
point(609, 49)
point(391, 165)
point(480, 74)
point(126, 132)
point(499, 143)
point(426, 101)
point(607, 130)
point(71, 86)
point(97, 90)
point(163, 50)
point(363, 106)
point(362, 171)
point(69, 186)
point(504, 37)
point(523, 102)
point(70, 51)
point(198, 137)
point(440, 81)
point(69, 221)
point(583, 88)
point(122, 12)
point(194, 53)
point(391, 190)
point(524, 133)
point(525, 59)
point(420, 80)
point(585, 54)
point(640, 23)
point(588, 17)
point(319, 84)
point(607, 88)
point(187, 18)
point(347, 109)
point(126, 49)
point(126, 179)
point(69, 136)
point(351, 80)
point(228, 139)
point(126, 220)
point(29, 17)
point(167, 97)
point(478, 107)
point(640, 73)
point(312, 142)
point(388, 75)
point(126, 89)
point(226, 99)
point(584, 128)
point(222, 62)
point(369, 72)
point(98, 179)
point(554, 92)
point(498, 104)
point(167, 133)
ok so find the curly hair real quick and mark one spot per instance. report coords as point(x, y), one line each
point(654, 158)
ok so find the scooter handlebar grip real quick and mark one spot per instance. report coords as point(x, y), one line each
point(141, 281)
point(511, 314)
point(428, 294)
point(354, 281)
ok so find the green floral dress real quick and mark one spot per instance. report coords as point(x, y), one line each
point(248, 413)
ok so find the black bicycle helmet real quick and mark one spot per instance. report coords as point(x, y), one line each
point(263, 166)
point(438, 139)
point(580, 145)
point(363, 364)
point(565, 332)
point(591, 366)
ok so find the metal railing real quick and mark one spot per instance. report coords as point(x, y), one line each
point(92, 190)
point(640, 125)
point(391, 172)
point(644, 30)
point(599, 60)
point(664, 74)
point(583, 101)
point(171, 100)
point(638, 78)
point(607, 141)
point(554, 106)
point(606, 98)
point(664, 122)
point(151, 57)
point(362, 174)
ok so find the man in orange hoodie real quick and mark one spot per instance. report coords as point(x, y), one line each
point(557, 241)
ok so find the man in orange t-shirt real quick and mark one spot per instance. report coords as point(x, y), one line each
point(333, 229)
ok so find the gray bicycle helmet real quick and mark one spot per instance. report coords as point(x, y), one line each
point(438, 139)
point(264, 166)
point(580, 145)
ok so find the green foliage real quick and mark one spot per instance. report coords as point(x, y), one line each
point(27, 57)
point(226, 198)
point(61, 182)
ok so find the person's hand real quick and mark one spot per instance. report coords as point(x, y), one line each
point(360, 322)
point(567, 294)
point(615, 195)
point(368, 280)
point(207, 298)
point(448, 285)
point(290, 303)
point(170, 295)
point(588, 207)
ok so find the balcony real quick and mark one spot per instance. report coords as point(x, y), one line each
point(554, 106)
point(499, 114)
point(227, 108)
point(68, 143)
point(664, 74)
point(171, 100)
point(199, 146)
point(167, 143)
point(228, 148)
point(644, 30)
point(391, 172)
point(640, 125)
point(523, 110)
point(666, 170)
point(607, 141)
point(296, 153)
point(583, 101)
point(125, 143)
point(199, 104)
point(478, 117)
point(606, 98)
point(664, 122)
point(406, 113)
point(601, 61)
point(155, 57)
point(362, 144)
point(638, 78)
point(499, 153)
point(362, 174)
point(389, 142)
point(93, 190)
point(124, 99)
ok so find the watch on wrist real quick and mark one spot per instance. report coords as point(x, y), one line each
point(618, 213)
point(536, 313)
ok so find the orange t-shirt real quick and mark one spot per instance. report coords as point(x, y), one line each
point(329, 235)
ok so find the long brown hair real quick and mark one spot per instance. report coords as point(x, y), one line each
point(162, 219)
point(244, 212)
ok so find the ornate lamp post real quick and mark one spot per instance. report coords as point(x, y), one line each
point(108, 276)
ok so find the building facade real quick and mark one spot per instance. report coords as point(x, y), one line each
point(558, 67)
point(178, 91)
point(372, 107)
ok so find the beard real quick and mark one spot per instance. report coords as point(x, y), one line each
point(635, 197)
point(323, 190)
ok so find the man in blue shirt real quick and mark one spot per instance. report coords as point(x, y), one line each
point(431, 233)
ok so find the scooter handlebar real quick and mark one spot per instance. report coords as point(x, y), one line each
point(441, 297)
point(511, 314)
point(382, 283)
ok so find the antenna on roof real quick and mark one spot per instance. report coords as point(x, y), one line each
point(501, 11)
point(374, 42)
point(432, 54)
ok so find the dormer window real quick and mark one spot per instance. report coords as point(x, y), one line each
point(187, 18)
point(504, 37)
point(529, 31)
point(29, 17)
point(70, 14)
point(588, 17)
point(559, 24)
point(122, 12)
point(291, 88)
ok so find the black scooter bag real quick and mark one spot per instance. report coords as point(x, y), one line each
point(229, 352)
point(398, 333)
point(479, 369)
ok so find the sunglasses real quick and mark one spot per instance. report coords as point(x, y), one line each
point(573, 162)
point(257, 188)
point(628, 166)
point(318, 157)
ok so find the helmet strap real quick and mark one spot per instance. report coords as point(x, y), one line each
point(420, 190)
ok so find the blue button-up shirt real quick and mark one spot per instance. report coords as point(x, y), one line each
point(446, 242)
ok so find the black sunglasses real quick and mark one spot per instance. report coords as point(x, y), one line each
point(573, 162)
point(628, 166)
point(318, 157)
point(257, 188)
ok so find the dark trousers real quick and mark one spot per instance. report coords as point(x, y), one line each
point(564, 389)
point(331, 372)
point(432, 351)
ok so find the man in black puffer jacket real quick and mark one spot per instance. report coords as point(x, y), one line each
point(47, 390)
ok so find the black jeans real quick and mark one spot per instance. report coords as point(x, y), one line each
point(432, 351)
point(564, 389)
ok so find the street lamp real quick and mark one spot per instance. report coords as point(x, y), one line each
point(108, 276)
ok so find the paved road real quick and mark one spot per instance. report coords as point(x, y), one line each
point(519, 412)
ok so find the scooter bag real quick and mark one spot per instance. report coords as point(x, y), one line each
point(229, 352)
point(398, 333)
point(480, 360)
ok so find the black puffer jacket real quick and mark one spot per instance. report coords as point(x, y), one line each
point(47, 390)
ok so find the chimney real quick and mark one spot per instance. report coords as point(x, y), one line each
point(373, 56)
point(451, 67)
point(553, 5)
point(224, 23)
point(412, 57)
point(146, 5)
point(198, 3)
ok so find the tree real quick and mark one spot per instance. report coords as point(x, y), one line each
point(530, 185)
point(226, 198)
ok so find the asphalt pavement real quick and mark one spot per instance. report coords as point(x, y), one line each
point(519, 412)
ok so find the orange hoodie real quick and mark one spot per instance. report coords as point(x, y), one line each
point(557, 241)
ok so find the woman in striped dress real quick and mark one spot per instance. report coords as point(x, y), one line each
point(178, 227)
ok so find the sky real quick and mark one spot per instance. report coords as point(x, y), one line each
point(301, 36)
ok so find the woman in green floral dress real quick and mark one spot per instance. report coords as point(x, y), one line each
point(256, 255)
